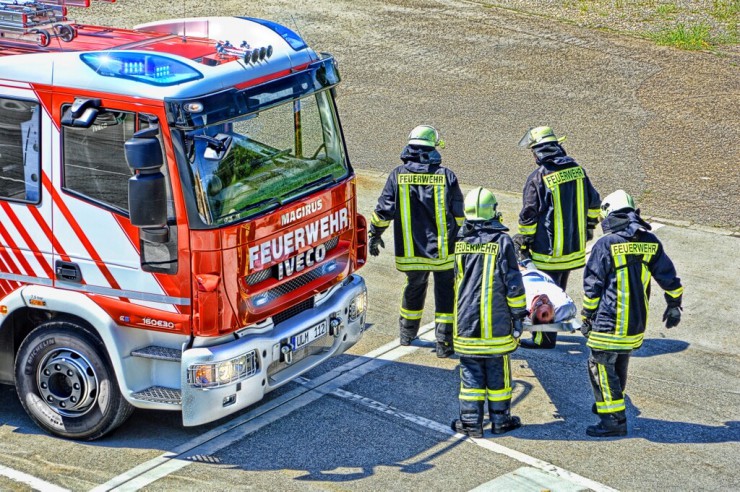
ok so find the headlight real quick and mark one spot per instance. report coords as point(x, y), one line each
point(358, 306)
point(216, 374)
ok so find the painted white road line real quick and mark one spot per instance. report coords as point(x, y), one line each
point(484, 443)
point(228, 433)
point(31, 481)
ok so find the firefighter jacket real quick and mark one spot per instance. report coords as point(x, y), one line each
point(616, 282)
point(425, 203)
point(559, 204)
point(489, 291)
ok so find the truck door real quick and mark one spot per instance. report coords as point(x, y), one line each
point(25, 207)
point(98, 251)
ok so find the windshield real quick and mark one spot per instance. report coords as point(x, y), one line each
point(262, 160)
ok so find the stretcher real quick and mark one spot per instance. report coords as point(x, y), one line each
point(537, 283)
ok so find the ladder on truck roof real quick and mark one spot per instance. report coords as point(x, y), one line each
point(38, 21)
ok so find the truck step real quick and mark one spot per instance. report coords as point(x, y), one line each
point(159, 394)
point(159, 353)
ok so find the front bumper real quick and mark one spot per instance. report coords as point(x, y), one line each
point(203, 405)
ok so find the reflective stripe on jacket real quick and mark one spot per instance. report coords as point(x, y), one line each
point(425, 203)
point(559, 204)
point(488, 290)
point(616, 283)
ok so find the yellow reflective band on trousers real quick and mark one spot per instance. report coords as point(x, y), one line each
point(608, 405)
point(610, 341)
point(409, 314)
point(378, 222)
point(471, 394)
point(504, 393)
point(444, 317)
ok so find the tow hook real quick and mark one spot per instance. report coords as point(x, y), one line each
point(335, 326)
point(287, 354)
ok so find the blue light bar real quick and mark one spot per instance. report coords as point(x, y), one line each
point(148, 68)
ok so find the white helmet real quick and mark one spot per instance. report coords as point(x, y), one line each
point(619, 200)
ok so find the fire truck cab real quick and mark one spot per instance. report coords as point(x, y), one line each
point(178, 221)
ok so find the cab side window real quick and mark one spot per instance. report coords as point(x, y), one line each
point(94, 161)
point(20, 161)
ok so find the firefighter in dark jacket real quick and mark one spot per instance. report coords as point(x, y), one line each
point(616, 285)
point(424, 201)
point(489, 308)
point(560, 210)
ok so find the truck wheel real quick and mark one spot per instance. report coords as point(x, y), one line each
point(66, 383)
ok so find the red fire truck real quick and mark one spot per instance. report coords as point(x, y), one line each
point(178, 220)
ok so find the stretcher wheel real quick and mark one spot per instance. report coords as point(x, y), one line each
point(66, 32)
point(43, 38)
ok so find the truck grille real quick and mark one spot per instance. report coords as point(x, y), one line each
point(293, 311)
point(262, 275)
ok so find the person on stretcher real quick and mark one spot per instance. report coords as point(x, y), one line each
point(546, 301)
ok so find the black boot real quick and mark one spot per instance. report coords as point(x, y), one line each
point(470, 430)
point(408, 330)
point(530, 344)
point(444, 350)
point(609, 426)
point(502, 422)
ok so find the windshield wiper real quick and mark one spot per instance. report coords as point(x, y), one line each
point(271, 202)
point(310, 186)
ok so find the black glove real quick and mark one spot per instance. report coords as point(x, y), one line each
point(672, 316)
point(522, 244)
point(589, 234)
point(375, 243)
point(516, 327)
point(587, 320)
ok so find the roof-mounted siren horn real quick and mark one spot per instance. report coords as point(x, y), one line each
point(257, 54)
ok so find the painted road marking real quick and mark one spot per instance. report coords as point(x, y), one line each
point(31, 481)
point(484, 443)
point(232, 431)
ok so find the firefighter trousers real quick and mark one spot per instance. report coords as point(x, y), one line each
point(484, 379)
point(608, 374)
point(549, 338)
point(412, 304)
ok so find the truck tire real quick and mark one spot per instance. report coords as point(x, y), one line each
point(66, 383)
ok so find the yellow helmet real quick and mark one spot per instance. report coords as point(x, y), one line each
point(426, 135)
point(480, 204)
point(538, 136)
point(619, 200)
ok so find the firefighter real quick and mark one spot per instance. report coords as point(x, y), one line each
point(424, 201)
point(559, 212)
point(490, 305)
point(616, 285)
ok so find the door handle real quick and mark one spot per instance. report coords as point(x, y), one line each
point(68, 271)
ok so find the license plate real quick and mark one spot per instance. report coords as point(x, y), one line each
point(306, 337)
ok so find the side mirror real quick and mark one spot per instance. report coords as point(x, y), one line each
point(147, 192)
point(81, 113)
